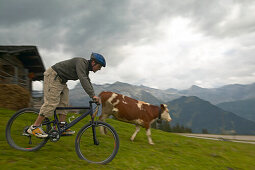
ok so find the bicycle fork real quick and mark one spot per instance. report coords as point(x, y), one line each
point(96, 142)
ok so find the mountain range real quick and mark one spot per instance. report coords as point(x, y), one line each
point(243, 108)
point(199, 114)
point(228, 93)
point(195, 112)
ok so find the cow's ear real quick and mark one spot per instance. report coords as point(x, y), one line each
point(162, 106)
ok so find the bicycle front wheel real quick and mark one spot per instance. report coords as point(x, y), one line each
point(98, 143)
point(16, 130)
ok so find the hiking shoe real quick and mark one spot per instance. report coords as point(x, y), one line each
point(68, 132)
point(37, 131)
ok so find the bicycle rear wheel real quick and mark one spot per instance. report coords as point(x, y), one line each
point(101, 149)
point(16, 130)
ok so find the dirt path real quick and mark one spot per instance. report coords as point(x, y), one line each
point(232, 138)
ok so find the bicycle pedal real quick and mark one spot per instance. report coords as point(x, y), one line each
point(26, 134)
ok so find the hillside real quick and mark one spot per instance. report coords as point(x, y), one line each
point(170, 151)
point(198, 114)
point(242, 108)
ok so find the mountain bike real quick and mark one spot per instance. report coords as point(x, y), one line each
point(90, 144)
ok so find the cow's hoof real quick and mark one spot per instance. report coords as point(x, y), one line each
point(151, 143)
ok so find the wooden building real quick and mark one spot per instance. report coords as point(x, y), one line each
point(19, 66)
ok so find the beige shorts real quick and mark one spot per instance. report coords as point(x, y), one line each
point(55, 94)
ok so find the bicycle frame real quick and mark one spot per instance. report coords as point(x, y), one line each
point(57, 123)
point(22, 140)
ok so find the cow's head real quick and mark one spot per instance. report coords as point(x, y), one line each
point(165, 113)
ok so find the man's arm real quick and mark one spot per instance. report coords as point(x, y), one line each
point(81, 68)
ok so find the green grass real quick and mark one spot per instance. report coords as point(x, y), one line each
point(170, 151)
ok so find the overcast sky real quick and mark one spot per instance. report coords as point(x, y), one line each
point(156, 43)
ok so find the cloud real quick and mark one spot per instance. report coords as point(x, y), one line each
point(156, 43)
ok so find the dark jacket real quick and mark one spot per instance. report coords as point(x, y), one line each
point(74, 69)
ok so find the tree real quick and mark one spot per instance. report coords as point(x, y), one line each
point(165, 126)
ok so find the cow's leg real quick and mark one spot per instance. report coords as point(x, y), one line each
point(102, 118)
point(148, 133)
point(136, 131)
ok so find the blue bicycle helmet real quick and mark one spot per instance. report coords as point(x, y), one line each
point(99, 59)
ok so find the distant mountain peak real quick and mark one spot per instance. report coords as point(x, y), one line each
point(117, 82)
point(190, 98)
point(171, 90)
point(194, 87)
point(120, 83)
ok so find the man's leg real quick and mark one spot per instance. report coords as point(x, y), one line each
point(62, 117)
point(52, 93)
point(64, 100)
point(52, 90)
point(39, 120)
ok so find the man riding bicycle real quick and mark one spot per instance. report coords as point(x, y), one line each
point(56, 91)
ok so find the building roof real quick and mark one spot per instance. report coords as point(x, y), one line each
point(29, 56)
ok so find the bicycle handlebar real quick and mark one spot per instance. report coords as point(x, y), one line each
point(93, 101)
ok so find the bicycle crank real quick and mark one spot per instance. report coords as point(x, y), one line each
point(54, 135)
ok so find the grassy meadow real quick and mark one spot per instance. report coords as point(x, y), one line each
point(171, 151)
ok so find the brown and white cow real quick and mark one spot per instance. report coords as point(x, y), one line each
point(132, 111)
